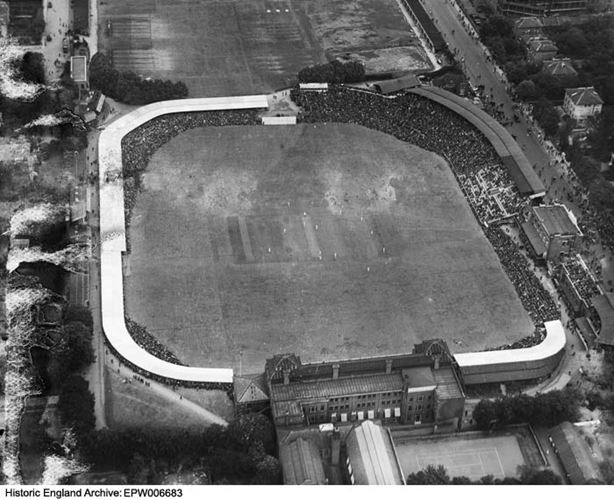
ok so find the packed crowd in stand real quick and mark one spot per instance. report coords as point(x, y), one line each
point(137, 148)
point(148, 342)
point(481, 175)
point(534, 297)
point(228, 388)
point(420, 121)
point(140, 144)
point(581, 279)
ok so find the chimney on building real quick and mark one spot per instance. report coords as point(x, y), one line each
point(388, 366)
point(436, 365)
point(286, 376)
point(335, 371)
point(335, 446)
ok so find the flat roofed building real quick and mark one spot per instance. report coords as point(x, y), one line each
point(604, 307)
point(301, 462)
point(397, 84)
point(550, 231)
point(582, 103)
point(4, 19)
point(541, 8)
point(574, 453)
point(78, 71)
point(370, 457)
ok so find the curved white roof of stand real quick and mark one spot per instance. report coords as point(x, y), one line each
point(113, 233)
point(551, 345)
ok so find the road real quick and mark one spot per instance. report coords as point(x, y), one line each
point(480, 71)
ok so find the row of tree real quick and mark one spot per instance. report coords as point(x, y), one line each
point(497, 33)
point(549, 409)
point(128, 87)
point(333, 72)
point(241, 453)
point(438, 475)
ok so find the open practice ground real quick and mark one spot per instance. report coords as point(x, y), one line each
point(232, 47)
point(474, 457)
point(227, 235)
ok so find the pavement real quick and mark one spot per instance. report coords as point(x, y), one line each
point(95, 373)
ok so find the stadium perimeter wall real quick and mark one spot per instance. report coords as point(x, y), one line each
point(478, 367)
point(515, 364)
point(113, 235)
point(519, 168)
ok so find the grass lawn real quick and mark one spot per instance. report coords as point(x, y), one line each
point(130, 404)
point(330, 241)
point(231, 47)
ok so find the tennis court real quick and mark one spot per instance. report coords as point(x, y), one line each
point(473, 457)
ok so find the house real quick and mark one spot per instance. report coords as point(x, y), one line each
point(528, 26)
point(370, 457)
point(550, 232)
point(559, 67)
point(574, 454)
point(422, 387)
point(541, 49)
point(582, 103)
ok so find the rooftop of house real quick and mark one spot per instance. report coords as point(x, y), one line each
point(559, 67)
point(584, 96)
point(542, 45)
point(524, 23)
point(250, 388)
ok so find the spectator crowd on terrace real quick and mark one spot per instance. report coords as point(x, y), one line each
point(483, 179)
point(481, 175)
point(141, 143)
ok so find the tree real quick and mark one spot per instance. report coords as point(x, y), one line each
point(484, 414)
point(76, 405)
point(602, 137)
point(432, 475)
point(74, 353)
point(333, 72)
point(526, 90)
point(32, 68)
point(251, 428)
point(529, 475)
point(103, 76)
point(546, 116)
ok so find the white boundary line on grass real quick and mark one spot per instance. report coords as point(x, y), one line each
point(113, 234)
